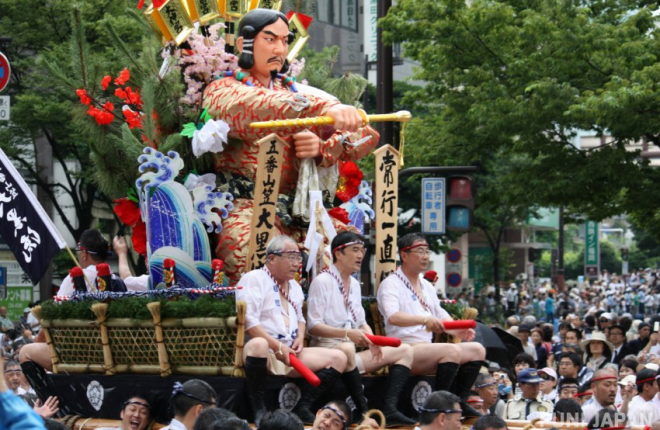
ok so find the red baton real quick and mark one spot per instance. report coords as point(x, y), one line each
point(384, 340)
point(304, 370)
point(459, 325)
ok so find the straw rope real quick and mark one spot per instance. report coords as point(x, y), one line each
point(101, 312)
point(163, 358)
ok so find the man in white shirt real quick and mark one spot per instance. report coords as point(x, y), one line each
point(642, 410)
point(604, 386)
point(412, 312)
point(92, 249)
point(441, 411)
point(336, 319)
point(275, 328)
point(188, 401)
point(134, 415)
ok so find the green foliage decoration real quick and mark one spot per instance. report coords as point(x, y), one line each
point(136, 308)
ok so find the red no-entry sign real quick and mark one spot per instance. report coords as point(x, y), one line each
point(5, 71)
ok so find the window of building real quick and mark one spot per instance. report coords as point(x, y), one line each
point(341, 13)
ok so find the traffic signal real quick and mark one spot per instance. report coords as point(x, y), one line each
point(624, 254)
point(460, 203)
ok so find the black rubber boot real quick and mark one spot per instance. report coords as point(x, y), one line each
point(311, 394)
point(38, 379)
point(465, 378)
point(353, 383)
point(395, 383)
point(256, 374)
point(445, 375)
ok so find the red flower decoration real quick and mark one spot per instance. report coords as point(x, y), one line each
point(84, 98)
point(350, 178)
point(339, 214)
point(120, 93)
point(127, 211)
point(133, 97)
point(123, 77)
point(134, 119)
point(106, 81)
point(139, 238)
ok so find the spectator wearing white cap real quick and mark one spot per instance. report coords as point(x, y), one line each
point(548, 384)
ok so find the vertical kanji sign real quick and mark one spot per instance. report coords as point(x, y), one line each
point(24, 225)
point(267, 187)
point(433, 205)
point(386, 203)
point(591, 249)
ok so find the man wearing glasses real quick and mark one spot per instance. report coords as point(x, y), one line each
point(520, 409)
point(441, 411)
point(275, 328)
point(336, 320)
point(412, 312)
point(617, 336)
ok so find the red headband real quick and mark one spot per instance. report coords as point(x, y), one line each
point(583, 394)
point(600, 378)
point(413, 246)
point(645, 380)
point(355, 242)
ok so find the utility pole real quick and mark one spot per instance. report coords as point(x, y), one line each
point(384, 80)
point(560, 251)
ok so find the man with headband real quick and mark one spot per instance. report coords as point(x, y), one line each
point(604, 386)
point(336, 319)
point(261, 91)
point(487, 387)
point(568, 388)
point(134, 415)
point(441, 411)
point(275, 328)
point(643, 409)
point(412, 312)
point(336, 415)
point(188, 401)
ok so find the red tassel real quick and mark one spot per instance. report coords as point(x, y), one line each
point(140, 4)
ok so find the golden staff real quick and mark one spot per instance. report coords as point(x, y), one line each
point(401, 116)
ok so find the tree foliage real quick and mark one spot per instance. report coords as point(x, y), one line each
point(44, 110)
point(522, 77)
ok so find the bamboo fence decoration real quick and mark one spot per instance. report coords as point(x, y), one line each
point(197, 346)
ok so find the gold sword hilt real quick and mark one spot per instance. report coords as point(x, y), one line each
point(401, 116)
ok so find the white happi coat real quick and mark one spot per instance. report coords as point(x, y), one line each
point(264, 306)
point(394, 296)
point(325, 303)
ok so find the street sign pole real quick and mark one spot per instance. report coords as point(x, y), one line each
point(3, 282)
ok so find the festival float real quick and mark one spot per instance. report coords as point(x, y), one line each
point(205, 172)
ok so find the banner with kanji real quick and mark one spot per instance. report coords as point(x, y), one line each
point(24, 225)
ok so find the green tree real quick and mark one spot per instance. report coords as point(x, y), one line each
point(43, 113)
point(523, 77)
